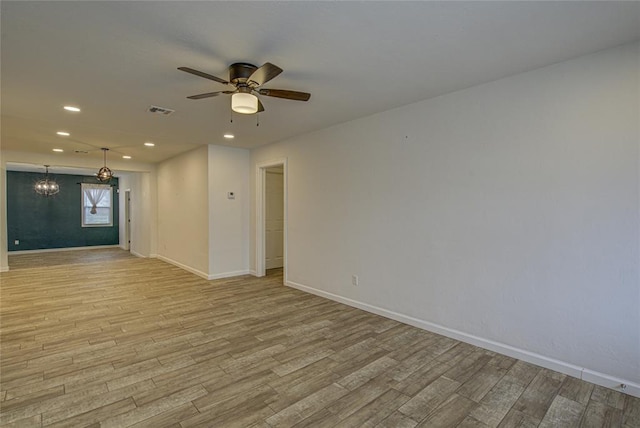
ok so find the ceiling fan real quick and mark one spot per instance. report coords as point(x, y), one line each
point(247, 80)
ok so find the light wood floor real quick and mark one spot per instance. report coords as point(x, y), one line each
point(117, 341)
point(66, 258)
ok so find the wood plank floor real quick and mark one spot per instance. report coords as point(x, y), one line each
point(103, 339)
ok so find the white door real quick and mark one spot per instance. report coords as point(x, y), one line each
point(274, 218)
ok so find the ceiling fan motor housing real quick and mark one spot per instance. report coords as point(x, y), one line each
point(240, 72)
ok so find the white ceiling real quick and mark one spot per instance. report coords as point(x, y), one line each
point(115, 59)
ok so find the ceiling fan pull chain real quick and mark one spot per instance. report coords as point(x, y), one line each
point(257, 120)
point(231, 116)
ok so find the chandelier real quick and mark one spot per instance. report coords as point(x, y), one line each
point(104, 174)
point(46, 186)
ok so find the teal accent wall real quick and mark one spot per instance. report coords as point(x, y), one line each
point(41, 222)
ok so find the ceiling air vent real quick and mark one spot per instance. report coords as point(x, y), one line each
point(160, 110)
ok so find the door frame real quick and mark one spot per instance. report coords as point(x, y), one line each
point(261, 181)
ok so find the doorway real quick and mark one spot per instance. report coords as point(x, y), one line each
point(274, 218)
point(271, 218)
point(127, 220)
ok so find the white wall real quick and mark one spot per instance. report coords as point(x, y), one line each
point(144, 208)
point(506, 215)
point(199, 228)
point(229, 218)
point(183, 211)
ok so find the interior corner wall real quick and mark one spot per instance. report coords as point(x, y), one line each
point(506, 214)
point(183, 211)
point(229, 216)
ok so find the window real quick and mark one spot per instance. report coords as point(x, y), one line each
point(97, 210)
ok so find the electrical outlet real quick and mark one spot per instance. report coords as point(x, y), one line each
point(16, 242)
point(354, 279)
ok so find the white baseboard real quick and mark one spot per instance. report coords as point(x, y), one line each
point(573, 370)
point(151, 256)
point(183, 266)
point(253, 272)
point(4, 268)
point(611, 382)
point(228, 274)
point(54, 250)
point(137, 254)
point(267, 267)
point(199, 272)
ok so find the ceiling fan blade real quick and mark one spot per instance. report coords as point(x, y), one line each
point(260, 107)
point(289, 95)
point(263, 74)
point(209, 95)
point(202, 74)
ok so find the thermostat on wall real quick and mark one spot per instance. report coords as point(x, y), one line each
point(231, 195)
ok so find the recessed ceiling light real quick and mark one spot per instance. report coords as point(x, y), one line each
point(58, 150)
point(63, 133)
point(126, 157)
point(72, 108)
point(229, 136)
point(149, 144)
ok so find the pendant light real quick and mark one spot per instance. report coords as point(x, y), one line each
point(104, 174)
point(46, 186)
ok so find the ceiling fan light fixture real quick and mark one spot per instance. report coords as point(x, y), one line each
point(244, 103)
